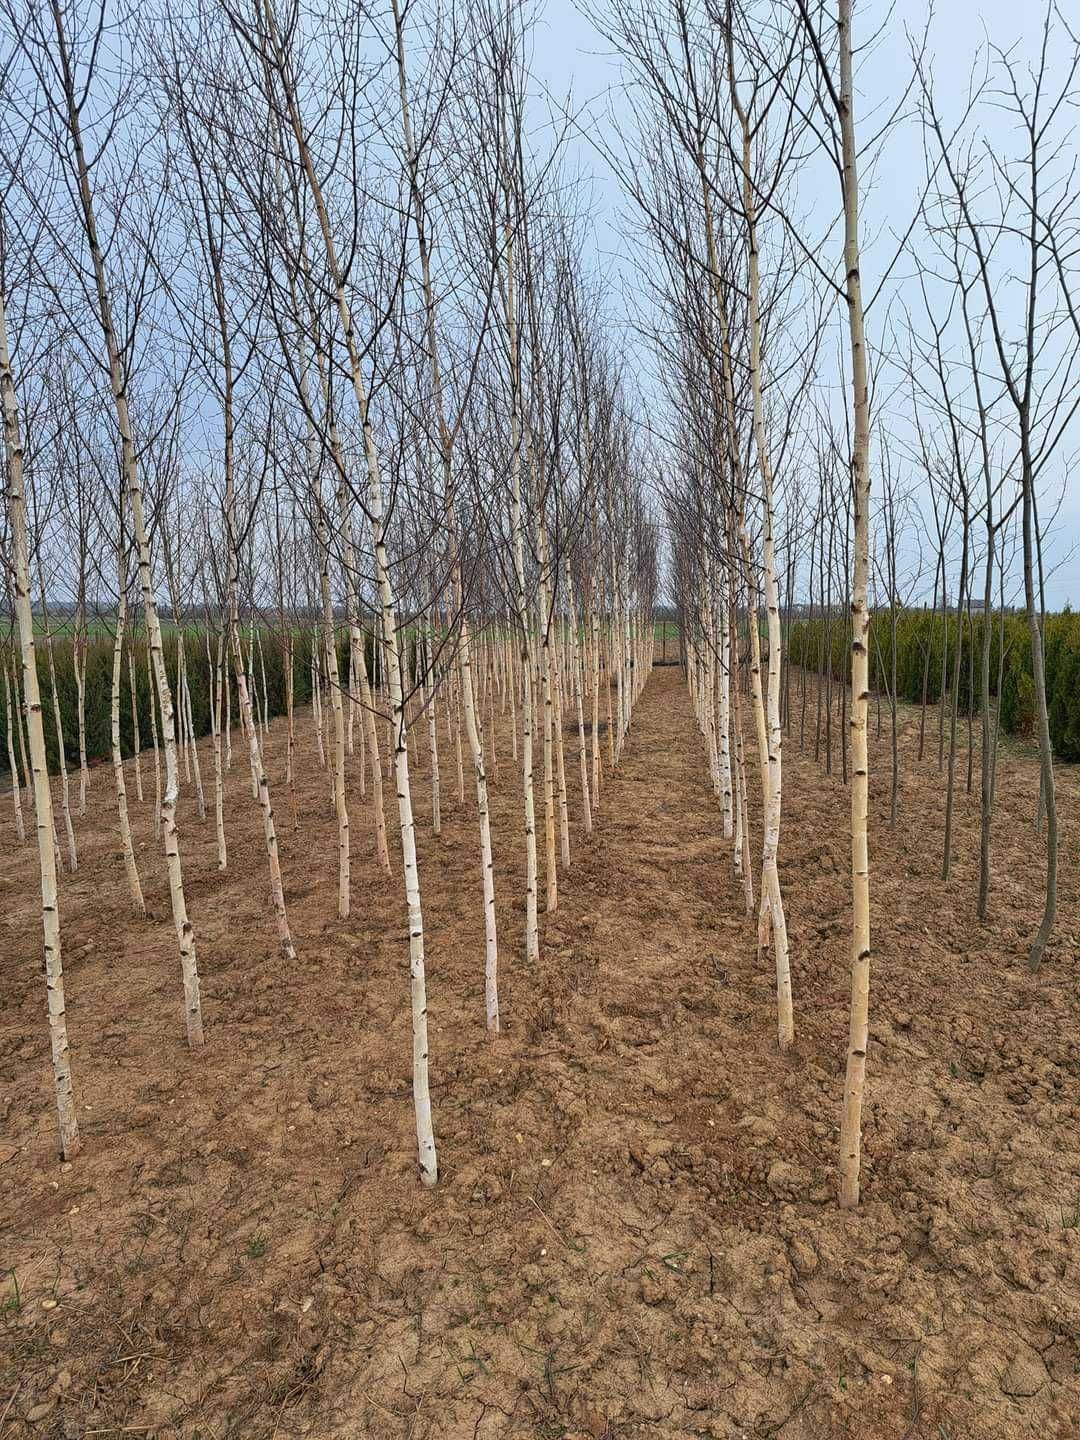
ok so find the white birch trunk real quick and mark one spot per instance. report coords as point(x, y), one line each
point(859, 1017)
point(216, 696)
point(418, 987)
point(79, 656)
point(131, 870)
point(16, 781)
point(50, 905)
point(58, 724)
point(577, 664)
point(725, 712)
point(135, 737)
point(152, 687)
point(184, 931)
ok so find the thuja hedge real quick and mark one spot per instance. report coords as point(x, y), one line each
point(918, 631)
point(99, 663)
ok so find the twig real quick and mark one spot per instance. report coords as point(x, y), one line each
point(551, 1226)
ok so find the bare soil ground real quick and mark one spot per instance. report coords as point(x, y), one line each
point(636, 1233)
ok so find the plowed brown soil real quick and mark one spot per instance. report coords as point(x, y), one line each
point(636, 1233)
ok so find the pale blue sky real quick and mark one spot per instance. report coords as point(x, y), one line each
point(570, 57)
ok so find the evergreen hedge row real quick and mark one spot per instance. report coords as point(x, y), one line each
point(99, 662)
point(918, 631)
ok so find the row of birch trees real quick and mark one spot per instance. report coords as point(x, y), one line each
point(307, 370)
point(746, 117)
point(301, 355)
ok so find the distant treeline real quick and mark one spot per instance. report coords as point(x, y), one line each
point(925, 656)
point(269, 654)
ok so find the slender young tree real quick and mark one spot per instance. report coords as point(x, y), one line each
point(50, 901)
point(54, 68)
point(834, 96)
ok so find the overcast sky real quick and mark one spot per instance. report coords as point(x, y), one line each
point(571, 58)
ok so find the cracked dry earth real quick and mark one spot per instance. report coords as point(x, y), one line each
point(636, 1233)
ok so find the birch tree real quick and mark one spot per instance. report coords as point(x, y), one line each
point(43, 811)
point(53, 61)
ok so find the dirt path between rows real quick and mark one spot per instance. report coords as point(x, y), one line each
point(636, 1233)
